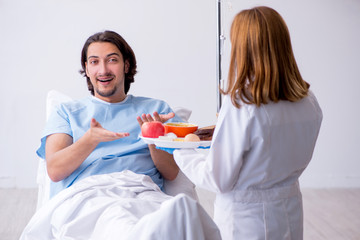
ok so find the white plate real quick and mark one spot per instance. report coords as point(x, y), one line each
point(175, 144)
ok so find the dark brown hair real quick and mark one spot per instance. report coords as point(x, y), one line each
point(124, 48)
point(262, 65)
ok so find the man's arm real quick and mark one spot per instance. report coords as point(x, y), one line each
point(63, 156)
point(163, 161)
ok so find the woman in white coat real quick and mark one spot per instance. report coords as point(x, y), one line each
point(264, 138)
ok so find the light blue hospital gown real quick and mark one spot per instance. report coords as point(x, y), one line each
point(129, 153)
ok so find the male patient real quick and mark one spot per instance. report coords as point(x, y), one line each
point(99, 134)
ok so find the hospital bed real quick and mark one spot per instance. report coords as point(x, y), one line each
point(121, 205)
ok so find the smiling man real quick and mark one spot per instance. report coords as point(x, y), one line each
point(99, 134)
point(106, 69)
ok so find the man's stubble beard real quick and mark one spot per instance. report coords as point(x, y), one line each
point(106, 93)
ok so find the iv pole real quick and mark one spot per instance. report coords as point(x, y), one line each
point(219, 42)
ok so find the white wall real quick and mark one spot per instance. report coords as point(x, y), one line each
point(175, 45)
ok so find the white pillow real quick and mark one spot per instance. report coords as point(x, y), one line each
point(180, 185)
point(53, 99)
point(183, 113)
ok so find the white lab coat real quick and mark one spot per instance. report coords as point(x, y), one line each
point(255, 160)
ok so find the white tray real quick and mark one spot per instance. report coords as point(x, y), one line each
point(176, 144)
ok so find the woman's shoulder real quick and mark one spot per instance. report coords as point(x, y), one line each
point(243, 106)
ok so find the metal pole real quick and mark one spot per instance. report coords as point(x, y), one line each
point(219, 42)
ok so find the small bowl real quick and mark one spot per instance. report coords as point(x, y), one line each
point(180, 129)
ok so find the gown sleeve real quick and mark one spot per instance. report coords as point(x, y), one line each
point(58, 122)
point(219, 170)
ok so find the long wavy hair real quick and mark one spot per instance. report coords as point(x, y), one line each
point(262, 65)
point(124, 48)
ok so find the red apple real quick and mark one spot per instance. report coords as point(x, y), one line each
point(152, 129)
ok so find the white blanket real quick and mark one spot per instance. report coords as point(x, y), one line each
point(119, 206)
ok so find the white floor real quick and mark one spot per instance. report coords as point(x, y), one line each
point(330, 214)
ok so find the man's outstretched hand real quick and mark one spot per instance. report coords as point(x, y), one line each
point(100, 134)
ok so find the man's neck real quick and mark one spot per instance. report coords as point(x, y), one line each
point(112, 99)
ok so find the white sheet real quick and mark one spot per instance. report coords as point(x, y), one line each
point(121, 205)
